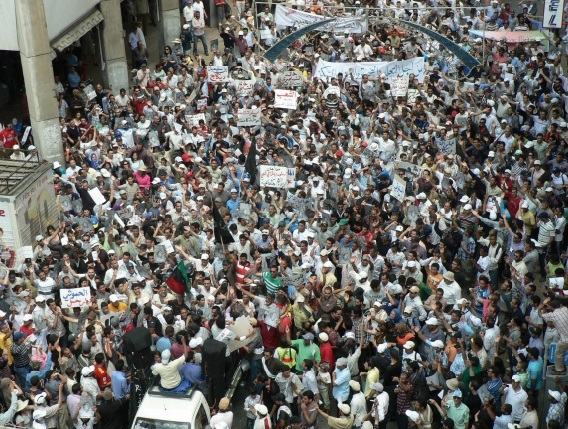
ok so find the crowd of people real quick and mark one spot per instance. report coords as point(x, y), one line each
point(412, 272)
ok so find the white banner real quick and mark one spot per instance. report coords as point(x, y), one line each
point(447, 147)
point(398, 86)
point(398, 188)
point(193, 120)
point(218, 74)
point(289, 17)
point(272, 176)
point(244, 87)
point(285, 99)
point(78, 297)
point(290, 79)
point(552, 14)
point(375, 69)
point(248, 117)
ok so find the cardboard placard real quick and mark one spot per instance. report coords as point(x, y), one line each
point(248, 117)
point(78, 297)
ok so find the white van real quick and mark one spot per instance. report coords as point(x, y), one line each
point(161, 410)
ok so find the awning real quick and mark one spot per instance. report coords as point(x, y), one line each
point(76, 32)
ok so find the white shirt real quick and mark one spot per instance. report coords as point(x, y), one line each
point(516, 400)
point(452, 292)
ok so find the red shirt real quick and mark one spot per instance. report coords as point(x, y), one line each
point(28, 331)
point(270, 335)
point(326, 353)
point(9, 137)
point(103, 379)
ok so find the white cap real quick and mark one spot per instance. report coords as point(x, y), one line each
point(381, 348)
point(39, 237)
point(555, 394)
point(241, 33)
point(525, 205)
point(409, 344)
point(113, 298)
point(432, 321)
point(467, 207)
point(28, 317)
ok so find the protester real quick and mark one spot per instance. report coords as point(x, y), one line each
point(374, 210)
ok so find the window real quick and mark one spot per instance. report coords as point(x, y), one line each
point(201, 420)
point(160, 424)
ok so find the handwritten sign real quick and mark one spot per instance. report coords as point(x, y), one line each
point(299, 204)
point(332, 90)
point(125, 213)
point(291, 177)
point(244, 87)
point(78, 297)
point(248, 117)
point(193, 120)
point(272, 176)
point(398, 86)
point(411, 169)
point(290, 79)
point(201, 103)
point(218, 74)
point(374, 69)
point(398, 188)
point(411, 96)
point(447, 147)
point(285, 99)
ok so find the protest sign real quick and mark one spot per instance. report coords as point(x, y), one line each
point(272, 176)
point(78, 297)
point(295, 278)
point(286, 99)
point(244, 87)
point(398, 86)
point(291, 177)
point(332, 90)
point(218, 74)
point(248, 117)
point(125, 213)
point(299, 204)
point(193, 120)
point(159, 253)
point(23, 253)
point(411, 169)
point(214, 45)
point(266, 34)
point(240, 328)
point(290, 79)
point(411, 96)
point(447, 147)
point(97, 196)
point(552, 14)
point(288, 17)
point(398, 188)
point(201, 103)
point(374, 69)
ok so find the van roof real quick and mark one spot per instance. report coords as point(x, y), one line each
point(170, 406)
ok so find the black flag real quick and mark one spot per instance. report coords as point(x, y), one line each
point(222, 233)
point(250, 164)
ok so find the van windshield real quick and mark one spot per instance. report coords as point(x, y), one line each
point(159, 424)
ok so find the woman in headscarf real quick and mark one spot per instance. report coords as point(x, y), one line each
point(395, 315)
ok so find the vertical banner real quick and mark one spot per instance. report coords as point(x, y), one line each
point(552, 14)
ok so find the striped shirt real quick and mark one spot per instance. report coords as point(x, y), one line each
point(546, 231)
point(272, 284)
point(20, 353)
point(560, 319)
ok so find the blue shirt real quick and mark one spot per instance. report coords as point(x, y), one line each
point(191, 372)
point(119, 384)
point(233, 205)
point(40, 374)
point(535, 373)
point(341, 391)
